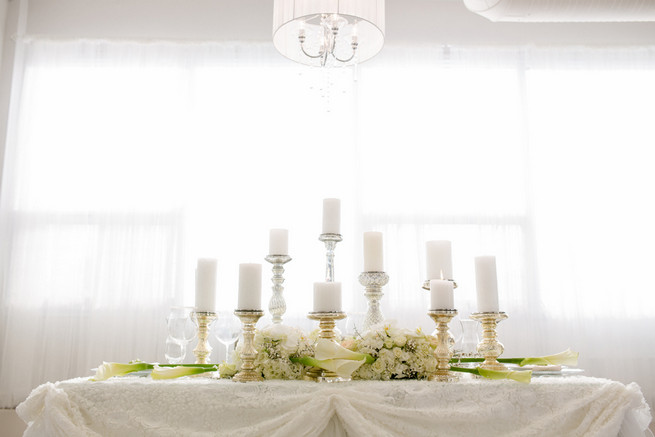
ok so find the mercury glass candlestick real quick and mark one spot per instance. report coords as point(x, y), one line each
point(489, 347)
point(249, 319)
point(277, 306)
point(203, 350)
point(445, 345)
point(373, 283)
point(330, 241)
point(326, 323)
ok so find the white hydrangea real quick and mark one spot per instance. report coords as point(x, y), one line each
point(275, 344)
point(400, 353)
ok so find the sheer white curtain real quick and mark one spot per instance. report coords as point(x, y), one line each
point(131, 160)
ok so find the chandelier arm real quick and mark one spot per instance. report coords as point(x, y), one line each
point(320, 54)
point(354, 46)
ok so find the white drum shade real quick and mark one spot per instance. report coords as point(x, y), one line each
point(363, 19)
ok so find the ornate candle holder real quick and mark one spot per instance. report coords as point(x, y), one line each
point(489, 347)
point(373, 281)
point(277, 306)
point(203, 350)
point(330, 241)
point(249, 319)
point(326, 323)
point(445, 345)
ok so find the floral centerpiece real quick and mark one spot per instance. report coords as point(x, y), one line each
point(399, 353)
point(276, 345)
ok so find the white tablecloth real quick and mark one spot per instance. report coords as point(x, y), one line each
point(131, 406)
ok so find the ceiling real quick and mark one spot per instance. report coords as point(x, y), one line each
point(414, 22)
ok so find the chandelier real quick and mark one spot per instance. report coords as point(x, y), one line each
point(328, 32)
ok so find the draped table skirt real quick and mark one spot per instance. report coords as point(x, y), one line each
point(130, 406)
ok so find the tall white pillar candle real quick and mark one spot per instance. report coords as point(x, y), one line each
point(439, 260)
point(331, 216)
point(486, 283)
point(250, 287)
point(206, 285)
point(373, 254)
point(327, 296)
point(441, 294)
point(278, 242)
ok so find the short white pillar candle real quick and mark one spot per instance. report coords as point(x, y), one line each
point(373, 253)
point(442, 296)
point(327, 296)
point(206, 285)
point(331, 216)
point(486, 283)
point(250, 287)
point(278, 242)
point(439, 259)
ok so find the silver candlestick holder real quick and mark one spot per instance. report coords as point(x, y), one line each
point(277, 306)
point(445, 345)
point(203, 350)
point(330, 241)
point(489, 347)
point(249, 319)
point(373, 283)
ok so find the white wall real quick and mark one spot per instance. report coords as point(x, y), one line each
point(408, 21)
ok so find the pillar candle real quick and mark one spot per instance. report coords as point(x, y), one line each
point(250, 287)
point(486, 284)
point(278, 242)
point(441, 294)
point(327, 296)
point(206, 285)
point(331, 216)
point(439, 260)
point(373, 254)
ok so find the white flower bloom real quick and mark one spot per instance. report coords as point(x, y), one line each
point(107, 370)
point(327, 349)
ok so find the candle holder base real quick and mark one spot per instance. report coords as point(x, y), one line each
point(330, 241)
point(203, 350)
point(326, 323)
point(489, 347)
point(249, 319)
point(277, 306)
point(445, 345)
point(373, 283)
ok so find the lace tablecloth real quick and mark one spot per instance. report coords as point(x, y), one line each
point(130, 406)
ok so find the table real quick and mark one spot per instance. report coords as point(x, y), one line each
point(129, 406)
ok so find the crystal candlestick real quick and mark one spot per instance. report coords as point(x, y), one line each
point(489, 347)
point(249, 319)
point(277, 306)
point(373, 283)
point(445, 345)
point(326, 323)
point(330, 241)
point(203, 350)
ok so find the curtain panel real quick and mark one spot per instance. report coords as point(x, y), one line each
point(129, 160)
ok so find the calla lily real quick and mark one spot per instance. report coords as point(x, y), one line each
point(107, 370)
point(330, 350)
point(566, 358)
point(342, 367)
point(179, 371)
point(523, 376)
